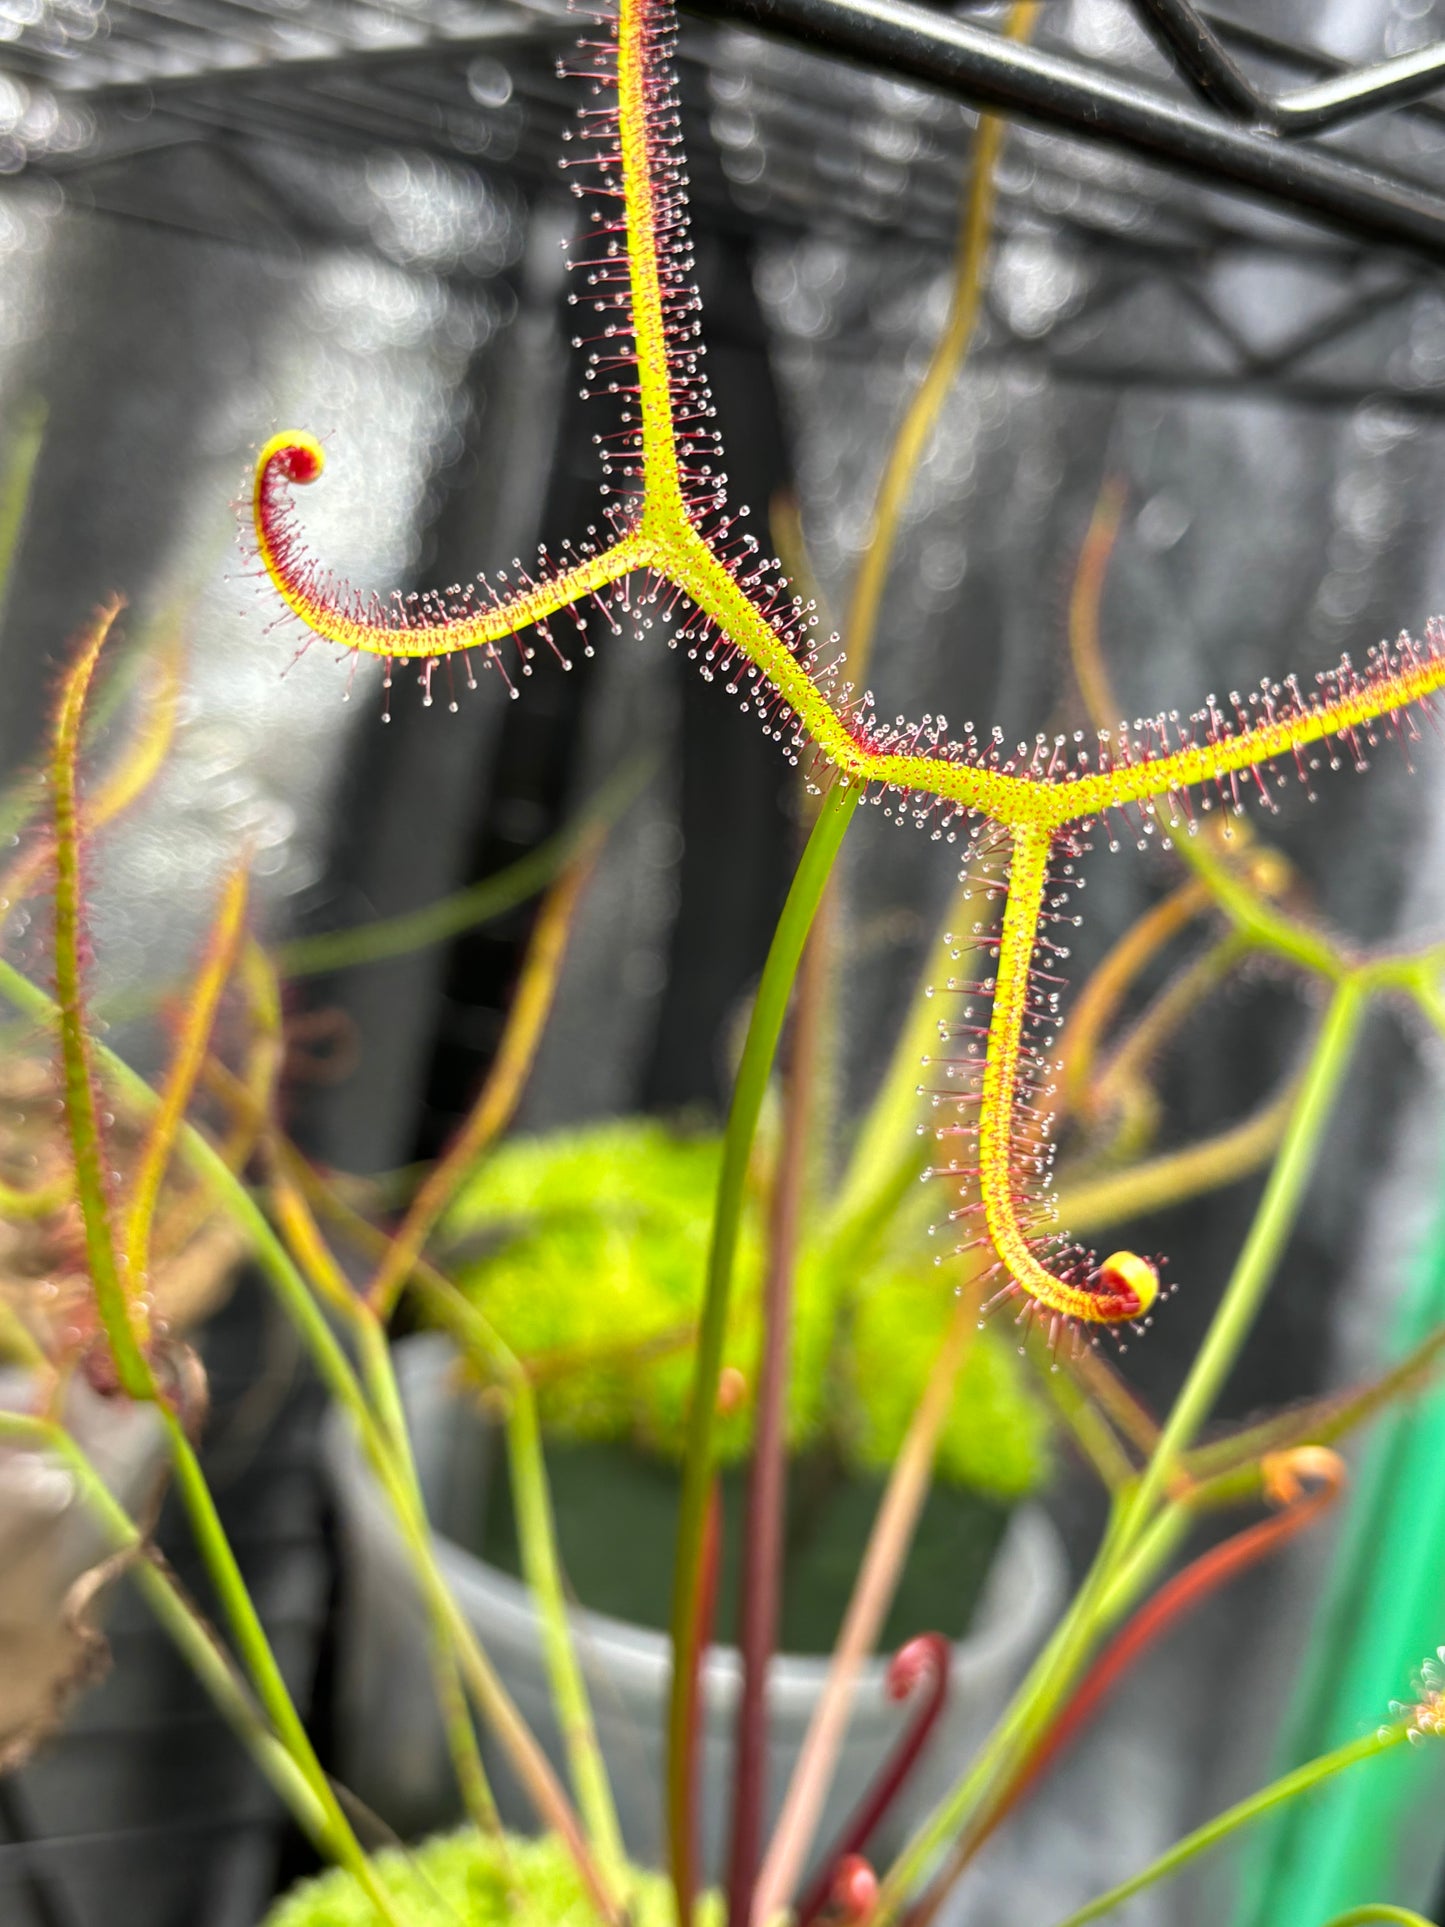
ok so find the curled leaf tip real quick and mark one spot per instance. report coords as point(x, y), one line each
point(1129, 1280)
point(293, 455)
point(1286, 1475)
point(924, 1657)
point(855, 1889)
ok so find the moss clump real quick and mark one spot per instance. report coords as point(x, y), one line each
point(593, 1243)
point(476, 1879)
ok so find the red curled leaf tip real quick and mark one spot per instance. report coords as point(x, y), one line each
point(855, 1889)
point(925, 1656)
point(293, 457)
point(1128, 1281)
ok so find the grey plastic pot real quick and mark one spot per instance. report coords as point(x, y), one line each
point(391, 1750)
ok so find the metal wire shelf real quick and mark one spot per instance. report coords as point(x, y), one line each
point(1159, 152)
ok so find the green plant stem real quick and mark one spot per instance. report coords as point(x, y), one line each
point(217, 962)
point(1093, 1434)
point(1268, 1232)
point(764, 1029)
point(328, 1279)
point(1254, 918)
point(1086, 1204)
point(17, 474)
point(1027, 1717)
point(484, 1349)
point(483, 902)
point(461, 1734)
point(184, 1625)
point(260, 1661)
point(763, 1547)
point(1138, 1567)
point(537, 1540)
point(1302, 1780)
point(336, 1372)
point(1100, 1598)
point(887, 1157)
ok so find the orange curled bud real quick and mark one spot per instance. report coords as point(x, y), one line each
point(732, 1391)
point(1125, 1276)
point(1284, 1475)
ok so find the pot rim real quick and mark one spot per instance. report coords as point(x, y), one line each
point(1024, 1583)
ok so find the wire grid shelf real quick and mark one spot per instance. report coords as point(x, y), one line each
point(1214, 149)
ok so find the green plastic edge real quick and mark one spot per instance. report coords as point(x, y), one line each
point(1374, 1833)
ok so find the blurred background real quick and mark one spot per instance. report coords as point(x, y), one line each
point(219, 219)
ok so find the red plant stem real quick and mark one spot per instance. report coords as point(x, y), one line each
point(710, 1557)
point(924, 1658)
point(1173, 1602)
point(762, 1549)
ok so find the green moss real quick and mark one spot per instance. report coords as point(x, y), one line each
point(472, 1879)
point(594, 1241)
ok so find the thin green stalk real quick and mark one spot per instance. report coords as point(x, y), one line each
point(184, 1625)
point(537, 1537)
point(481, 903)
point(1302, 1780)
point(1138, 1567)
point(1095, 1437)
point(484, 1349)
point(16, 477)
point(40, 1201)
point(260, 1660)
point(764, 1029)
point(17, 1342)
point(1430, 997)
point(765, 1516)
point(1260, 921)
point(1228, 1468)
point(320, 1267)
point(1283, 1194)
point(461, 1734)
point(503, 1085)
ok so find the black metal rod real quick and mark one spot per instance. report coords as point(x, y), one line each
point(1066, 96)
point(1203, 59)
point(1348, 95)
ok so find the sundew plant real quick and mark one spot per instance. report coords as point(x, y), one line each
point(675, 549)
point(671, 554)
